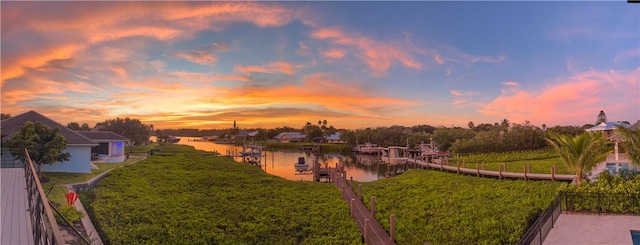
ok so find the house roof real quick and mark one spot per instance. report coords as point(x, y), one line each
point(605, 126)
point(102, 136)
point(247, 133)
point(12, 126)
point(635, 126)
point(291, 135)
point(335, 136)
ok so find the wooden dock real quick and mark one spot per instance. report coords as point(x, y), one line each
point(372, 231)
point(492, 173)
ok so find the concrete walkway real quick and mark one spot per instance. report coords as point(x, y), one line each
point(592, 229)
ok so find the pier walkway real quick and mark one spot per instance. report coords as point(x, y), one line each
point(500, 173)
point(371, 230)
point(16, 219)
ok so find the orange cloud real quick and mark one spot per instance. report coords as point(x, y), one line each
point(571, 98)
point(198, 56)
point(273, 67)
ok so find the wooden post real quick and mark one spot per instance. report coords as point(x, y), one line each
point(477, 170)
point(464, 164)
point(499, 171)
point(366, 230)
point(525, 172)
point(392, 226)
point(458, 166)
point(482, 165)
point(351, 180)
point(373, 206)
point(352, 207)
point(553, 172)
point(359, 192)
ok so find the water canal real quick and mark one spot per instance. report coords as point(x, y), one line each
point(281, 163)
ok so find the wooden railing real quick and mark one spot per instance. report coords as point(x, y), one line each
point(43, 223)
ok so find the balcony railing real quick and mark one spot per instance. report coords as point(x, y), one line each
point(44, 226)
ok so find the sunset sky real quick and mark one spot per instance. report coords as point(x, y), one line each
point(355, 64)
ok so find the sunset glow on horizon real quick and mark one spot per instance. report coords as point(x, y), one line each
point(355, 64)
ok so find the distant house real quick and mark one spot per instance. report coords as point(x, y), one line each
point(78, 146)
point(246, 134)
point(618, 160)
point(285, 137)
point(334, 138)
point(110, 146)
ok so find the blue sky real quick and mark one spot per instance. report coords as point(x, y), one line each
point(355, 64)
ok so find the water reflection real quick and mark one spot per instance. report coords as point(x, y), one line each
point(281, 163)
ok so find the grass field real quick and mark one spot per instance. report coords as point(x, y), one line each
point(193, 199)
point(540, 161)
point(446, 208)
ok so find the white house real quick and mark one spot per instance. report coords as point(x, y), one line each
point(285, 137)
point(617, 161)
point(334, 138)
point(78, 146)
point(110, 146)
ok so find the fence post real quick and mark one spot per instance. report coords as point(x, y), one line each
point(366, 230)
point(373, 206)
point(525, 172)
point(457, 167)
point(351, 182)
point(553, 172)
point(352, 207)
point(505, 167)
point(392, 226)
point(499, 171)
point(477, 170)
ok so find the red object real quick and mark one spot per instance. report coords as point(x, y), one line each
point(71, 198)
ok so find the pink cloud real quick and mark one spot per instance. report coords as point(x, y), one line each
point(379, 56)
point(627, 54)
point(333, 54)
point(456, 93)
point(438, 59)
point(511, 83)
point(573, 100)
point(458, 102)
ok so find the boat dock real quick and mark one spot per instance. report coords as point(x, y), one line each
point(372, 231)
point(479, 171)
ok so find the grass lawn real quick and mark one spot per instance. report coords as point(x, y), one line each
point(195, 199)
point(447, 208)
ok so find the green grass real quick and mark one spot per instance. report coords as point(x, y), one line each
point(446, 208)
point(69, 178)
point(140, 150)
point(192, 199)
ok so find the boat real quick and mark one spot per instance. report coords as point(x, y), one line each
point(431, 154)
point(393, 155)
point(173, 139)
point(251, 150)
point(301, 165)
point(367, 148)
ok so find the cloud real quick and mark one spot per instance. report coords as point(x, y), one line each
point(571, 98)
point(273, 67)
point(474, 59)
point(511, 83)
point(379, 56)
point(458, 102)
point(456, 93)
point(333, 54)
point(627, 54)
point(438, 59)
point(199, 57)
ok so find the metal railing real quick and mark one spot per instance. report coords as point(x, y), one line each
point(43, 223)
point(539, 230)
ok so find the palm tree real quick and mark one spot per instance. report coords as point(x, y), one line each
point(580, 153)
point(631, 143)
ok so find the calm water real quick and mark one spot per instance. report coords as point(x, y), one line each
point(281, 163)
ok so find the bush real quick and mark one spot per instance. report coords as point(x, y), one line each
point(70, 213)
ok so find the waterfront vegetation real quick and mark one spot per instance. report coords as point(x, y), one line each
point(207, 199)
point(341, 148)
point(445, 208)
point(609, 194)
point(540, 161)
